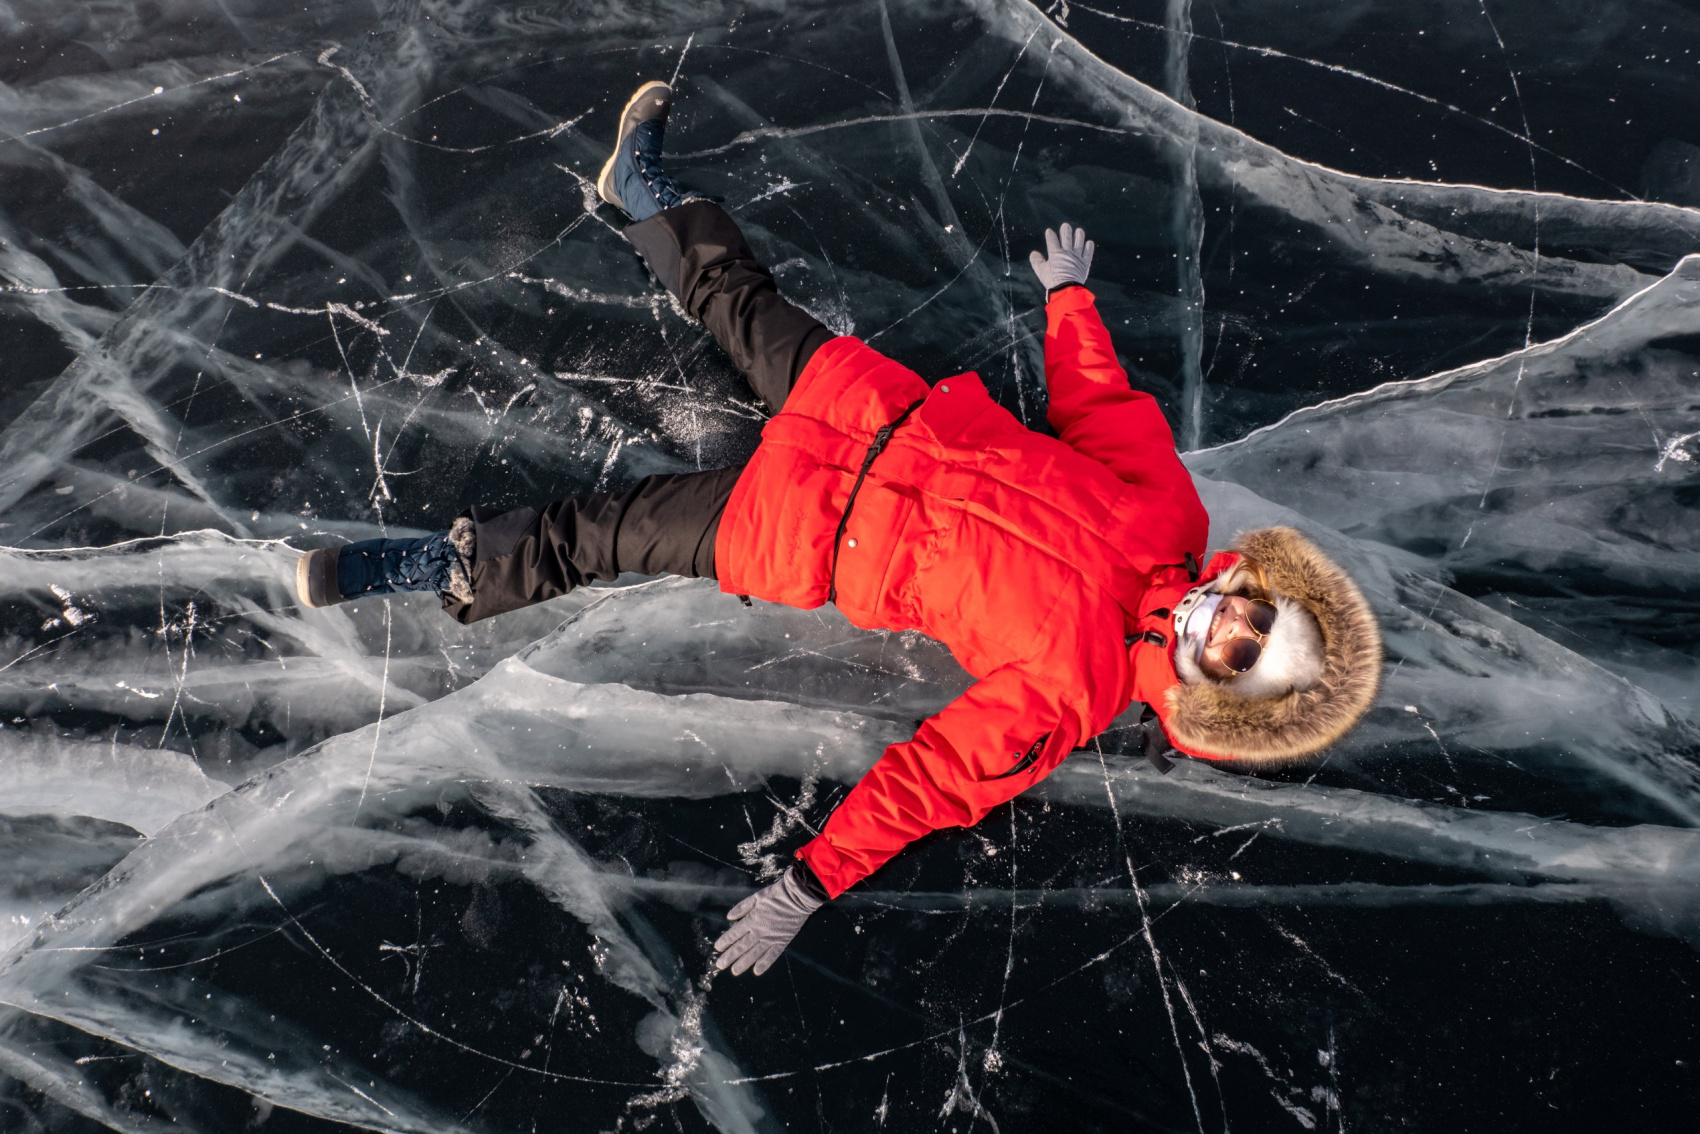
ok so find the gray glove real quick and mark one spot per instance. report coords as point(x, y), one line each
point(764, 923)
point(1069, 261)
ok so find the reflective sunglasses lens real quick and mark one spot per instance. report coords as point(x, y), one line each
point(1241, 654)
point(1260, 615)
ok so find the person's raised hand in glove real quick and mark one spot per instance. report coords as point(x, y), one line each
point(766, 921)
point(1069, 261)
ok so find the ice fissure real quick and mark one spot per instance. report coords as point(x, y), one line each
point(277, 279)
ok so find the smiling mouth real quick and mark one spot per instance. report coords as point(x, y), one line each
point(1215, 625)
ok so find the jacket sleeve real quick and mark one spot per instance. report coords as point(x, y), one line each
point(1092, 407)
point(999, 738)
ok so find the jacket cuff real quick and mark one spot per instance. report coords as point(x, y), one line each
point(807, 879)
point(827, 866)
point(1060, 288)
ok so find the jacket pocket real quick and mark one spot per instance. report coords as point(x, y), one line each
point(872, 538)
point(1027, 760)
point(1043, 755)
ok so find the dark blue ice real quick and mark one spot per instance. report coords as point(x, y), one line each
point(1421, 280)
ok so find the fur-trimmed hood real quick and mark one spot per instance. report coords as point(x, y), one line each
point(1214, 722)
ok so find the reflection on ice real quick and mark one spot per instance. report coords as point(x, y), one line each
point(386, 871)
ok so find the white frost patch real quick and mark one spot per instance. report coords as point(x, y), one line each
point(1673, 450)
point(72, 614)
point(142, 788)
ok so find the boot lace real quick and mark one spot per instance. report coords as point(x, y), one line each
point(646, 149)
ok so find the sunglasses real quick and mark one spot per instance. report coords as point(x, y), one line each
point(1240, 653)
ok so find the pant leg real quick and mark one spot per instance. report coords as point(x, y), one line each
point(662, 525)
point(698, 253)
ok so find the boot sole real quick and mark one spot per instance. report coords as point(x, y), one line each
point(605, 180)
point(322, 564)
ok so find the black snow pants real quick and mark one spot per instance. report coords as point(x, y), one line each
point(664, 524)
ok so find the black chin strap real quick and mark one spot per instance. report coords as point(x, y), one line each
point(1193, 571)
point(1157, 745)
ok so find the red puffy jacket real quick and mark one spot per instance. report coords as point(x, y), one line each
point(1042, 562)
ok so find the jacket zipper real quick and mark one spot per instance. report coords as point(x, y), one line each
point(881, 440)
point(1026, 761)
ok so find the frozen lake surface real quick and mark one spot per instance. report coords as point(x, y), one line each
point(1419, 279)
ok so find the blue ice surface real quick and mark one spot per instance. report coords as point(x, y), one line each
point(1419, 280)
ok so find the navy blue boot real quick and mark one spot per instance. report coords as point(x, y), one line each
point(386, 566)
point(632, 179)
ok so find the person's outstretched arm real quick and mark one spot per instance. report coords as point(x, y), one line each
point(1006, 733)
point(995, 741)
point(1092, 407)
point(1002, 736)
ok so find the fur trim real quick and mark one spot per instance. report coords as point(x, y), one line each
point(1217, 721)
point(1186, 668)
point(463, 537)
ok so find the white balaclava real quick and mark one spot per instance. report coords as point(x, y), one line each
point(1292, 654)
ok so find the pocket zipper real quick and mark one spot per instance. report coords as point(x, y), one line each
point(1026, 761)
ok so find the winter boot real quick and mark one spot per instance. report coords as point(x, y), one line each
point(632, 179)
point(440, 562)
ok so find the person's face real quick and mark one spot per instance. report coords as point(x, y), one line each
point(1230, 623)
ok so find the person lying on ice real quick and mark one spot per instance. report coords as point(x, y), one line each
point(1064, 573)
